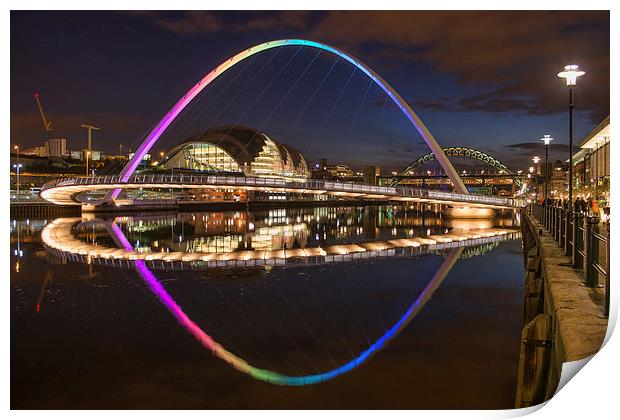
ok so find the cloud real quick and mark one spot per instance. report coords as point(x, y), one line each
point(523, 152)
point(197, 22)
point(532, 146)
point(184, 23)
point(514, 56)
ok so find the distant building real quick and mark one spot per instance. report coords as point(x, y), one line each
point(81, 154)
point(591, 164)
point(56, 147)
point(339, 171)
point(40, 151)
point(558, 181)
point(147, 156)
point(321, 170)
point(371, 174)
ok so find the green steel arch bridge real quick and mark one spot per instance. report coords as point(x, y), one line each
point(458, 151)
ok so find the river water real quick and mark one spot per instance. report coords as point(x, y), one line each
point(430, 328)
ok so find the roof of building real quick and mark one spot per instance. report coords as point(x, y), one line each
point(599, 134)
point(242, 143)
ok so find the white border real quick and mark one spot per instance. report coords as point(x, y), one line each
point(592, 394)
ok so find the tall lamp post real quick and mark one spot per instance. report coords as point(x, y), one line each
point(17, 168)
point(547, 140)
point(16, 147)
point(536, 159)
point(570, 73)
point(531, 176)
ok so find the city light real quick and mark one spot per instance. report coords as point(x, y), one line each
point(571, 73)
point(547, 139)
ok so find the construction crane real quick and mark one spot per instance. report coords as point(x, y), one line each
point(46, 124)
point(90, 129)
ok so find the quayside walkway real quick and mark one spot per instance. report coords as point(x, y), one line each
point(564, 316)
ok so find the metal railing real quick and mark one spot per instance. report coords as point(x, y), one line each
point(25, 197)
point(582, 237)
point(311, 184)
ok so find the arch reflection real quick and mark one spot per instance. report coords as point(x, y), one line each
point(272, 376)
point(125, 249)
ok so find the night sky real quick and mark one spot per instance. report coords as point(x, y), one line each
point(480, 79)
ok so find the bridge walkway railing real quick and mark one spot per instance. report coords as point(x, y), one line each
point(584, 238)
point(311, 184)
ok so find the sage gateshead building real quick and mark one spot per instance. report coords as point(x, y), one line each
point(237, 150)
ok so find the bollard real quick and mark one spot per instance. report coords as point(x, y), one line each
point(591, 252)
point(568, 233)
point(564, 223)
point(550, 220)
point(607, 276)
point(561, 228)
point(556, 225)
point(577, 240)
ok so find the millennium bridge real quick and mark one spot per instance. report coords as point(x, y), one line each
point(66, 191)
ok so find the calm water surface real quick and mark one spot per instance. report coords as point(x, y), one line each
point(90, 336)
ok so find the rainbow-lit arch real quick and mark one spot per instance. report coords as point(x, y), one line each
point(159, 129)
point(268, 375)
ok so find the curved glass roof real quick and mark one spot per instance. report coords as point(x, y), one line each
point(245, 145)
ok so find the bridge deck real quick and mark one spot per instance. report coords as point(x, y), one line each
point(64, 190)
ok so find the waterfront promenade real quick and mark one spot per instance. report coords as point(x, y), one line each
point(564, 320)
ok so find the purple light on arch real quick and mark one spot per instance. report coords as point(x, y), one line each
point(159, 129)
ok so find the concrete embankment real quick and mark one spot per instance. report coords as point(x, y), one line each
point(562, 319)
point(193, 206)
point(42, 210)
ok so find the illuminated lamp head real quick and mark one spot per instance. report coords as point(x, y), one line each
point(547, 139)
point(571, 73)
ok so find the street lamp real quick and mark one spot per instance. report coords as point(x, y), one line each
point(570, 73)
point(547, 140)
point(87, 157)
point(17, 167)
point(536, 159)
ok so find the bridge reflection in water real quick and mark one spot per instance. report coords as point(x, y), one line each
point(395, 233)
